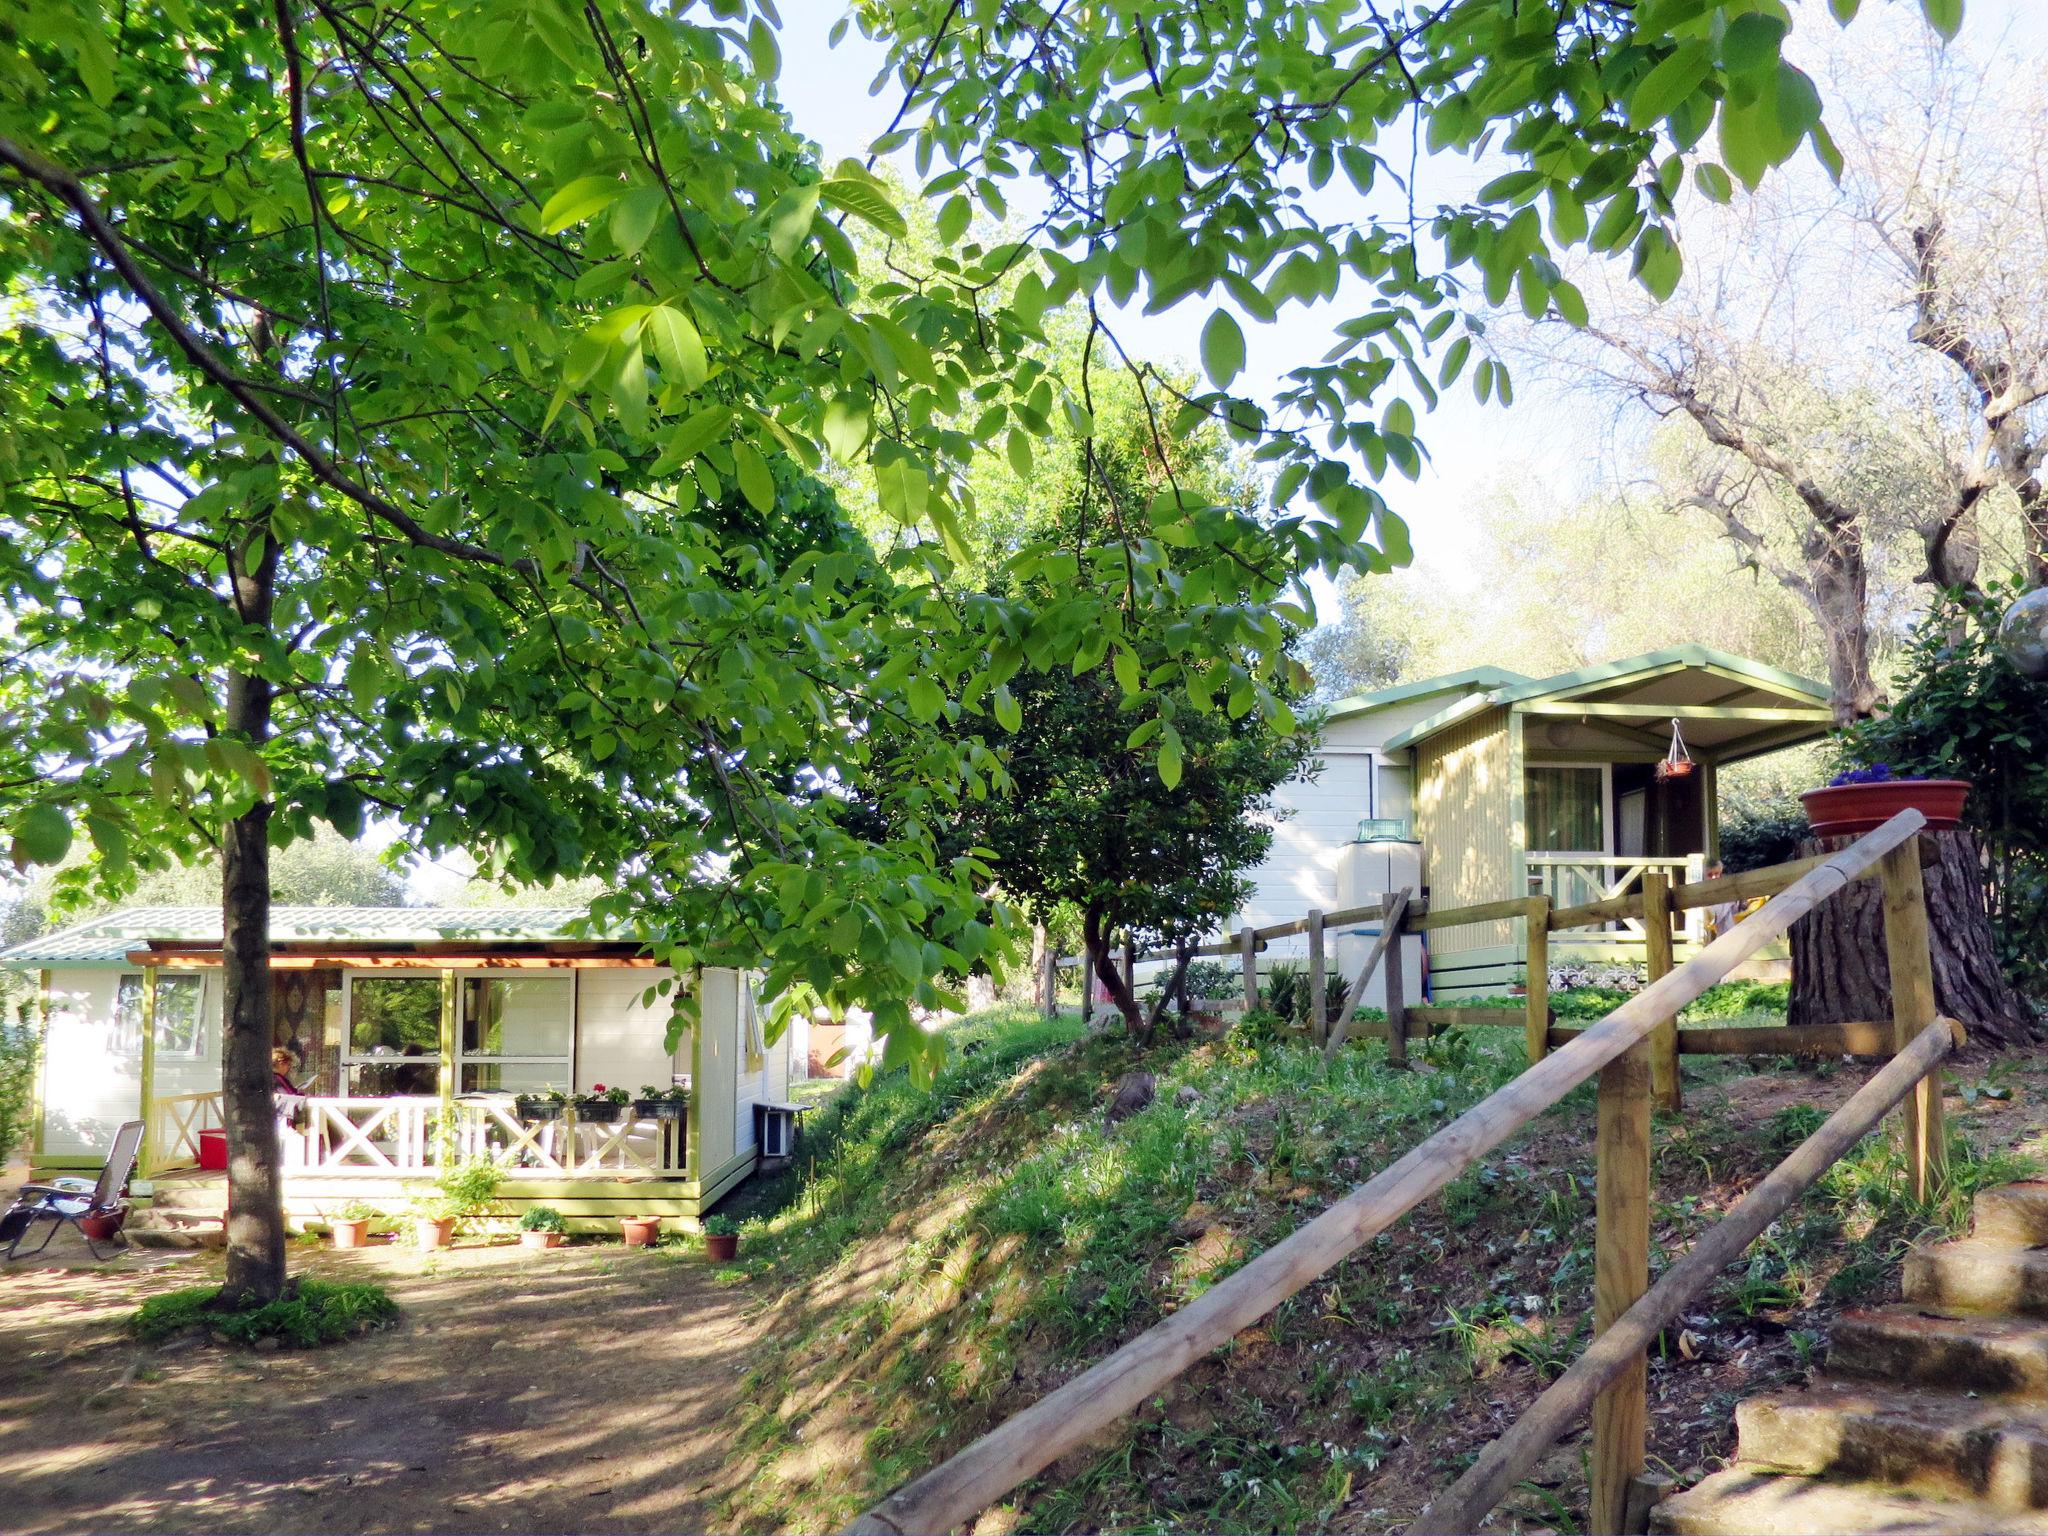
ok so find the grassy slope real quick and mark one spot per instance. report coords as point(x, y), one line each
point(958, 1252)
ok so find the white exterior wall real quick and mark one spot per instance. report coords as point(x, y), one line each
point(618, 1037)
point(91, 1076)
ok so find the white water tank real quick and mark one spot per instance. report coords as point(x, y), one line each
point(1364, 871)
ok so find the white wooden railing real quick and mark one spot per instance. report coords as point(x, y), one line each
point(170, 1132)
point(402, 1136)
point(1576, 879)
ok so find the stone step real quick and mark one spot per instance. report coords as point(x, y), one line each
point(151, 1227)
point(188, 1195)
point(2013, 1214)
point(1745, 1502)
point(1917, 1346)
point(1977, 1276)
point(1938, 1443)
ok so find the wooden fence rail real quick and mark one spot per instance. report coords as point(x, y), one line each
point(1029, 1441)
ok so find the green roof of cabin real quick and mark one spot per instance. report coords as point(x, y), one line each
point(1804, 690)
point(1469, 680)
point(114, 935)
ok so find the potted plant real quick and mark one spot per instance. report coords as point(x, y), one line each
point(542, 1226)
point(349, 1226)
point(662, 1103)
point(602, 1105)
point(1859, 800)
point(463, 1192)
point(433, 1222)
point(721, 1239)
point(640, 1231)
point(538, 1108)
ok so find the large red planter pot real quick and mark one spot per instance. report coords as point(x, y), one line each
point(213, 1150)
point(1850, 810)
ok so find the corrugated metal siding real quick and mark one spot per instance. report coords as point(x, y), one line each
point(1466, 804)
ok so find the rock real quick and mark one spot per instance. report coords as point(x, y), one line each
point(1134, 1090)
point(1185, 1095)
point(269, 1344)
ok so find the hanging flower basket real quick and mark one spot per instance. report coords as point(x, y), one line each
point(1677, 762)
point(1864, 799)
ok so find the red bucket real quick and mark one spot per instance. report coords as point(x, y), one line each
point(213, 1149)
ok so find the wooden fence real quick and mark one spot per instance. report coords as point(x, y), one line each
point(1624, 1050)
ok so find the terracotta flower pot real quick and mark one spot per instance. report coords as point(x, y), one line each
point(640, 1231)
point(721, 1247)
point(433, 1231)
point(101, 1226)
point(1850, 810)
point(540, 1239)
point(351, 1233)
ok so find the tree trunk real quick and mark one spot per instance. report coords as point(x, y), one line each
point(1836, 566)
point(1119, 986)
point(255, 1222)
point(1839, 972)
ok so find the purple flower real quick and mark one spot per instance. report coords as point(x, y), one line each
point(1876, 773)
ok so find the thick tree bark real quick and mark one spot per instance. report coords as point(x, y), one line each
point(1839, 973)
point(255, 1222)
point(1119, 985)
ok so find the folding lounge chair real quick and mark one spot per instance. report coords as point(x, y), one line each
point(69, 1200)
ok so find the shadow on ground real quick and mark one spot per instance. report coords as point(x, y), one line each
point(580, 1389)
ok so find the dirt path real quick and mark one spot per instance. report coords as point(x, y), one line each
point(585, 1389)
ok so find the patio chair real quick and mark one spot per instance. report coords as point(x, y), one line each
point(71, 1200)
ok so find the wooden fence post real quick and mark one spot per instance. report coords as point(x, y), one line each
point(152, 1156)
point(1910, 960)
point(1318, 981)
point(1248, 949)
point(1621, 1273)
point(1664, 1084)
point(1396, 911)
point(1536, 986)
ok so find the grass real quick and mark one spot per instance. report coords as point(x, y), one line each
point(951, 1253)
point(311, 1312)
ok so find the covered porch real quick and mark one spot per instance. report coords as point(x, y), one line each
point(1576, 788)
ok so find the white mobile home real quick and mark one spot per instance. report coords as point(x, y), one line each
point(420, 1034)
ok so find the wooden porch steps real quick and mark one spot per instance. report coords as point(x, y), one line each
point(1933, 1418)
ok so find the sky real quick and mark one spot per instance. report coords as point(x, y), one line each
point(1472, 447)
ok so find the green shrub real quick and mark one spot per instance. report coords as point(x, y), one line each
point(1758, 831)
point(310, 1312)
point(542, 1218)
point(720, 1226)
point(18, 1042)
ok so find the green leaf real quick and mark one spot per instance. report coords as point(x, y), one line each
point(95, 59)
point(1713, 182)
point(789, 222)
point(865, 200)
point(845, 427)
point(1675, 77)
point(1169, 758)
point(1753, 43)
point(1945, 16)
point(954, 218)
point(1009, 713)
point(677, 346)
point(695, 435)
point(634, 217)
point(1222, 348)
point(584, 196)
point(756, 483)
point(42, 835)
point(763, 50)
point(1124, 663)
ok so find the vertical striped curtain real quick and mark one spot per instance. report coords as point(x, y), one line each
point(1563, 807)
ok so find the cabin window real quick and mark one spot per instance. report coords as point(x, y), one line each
point(516, 1033)
point(1565, 809)
point(180, 1017)
point(394, 1035)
